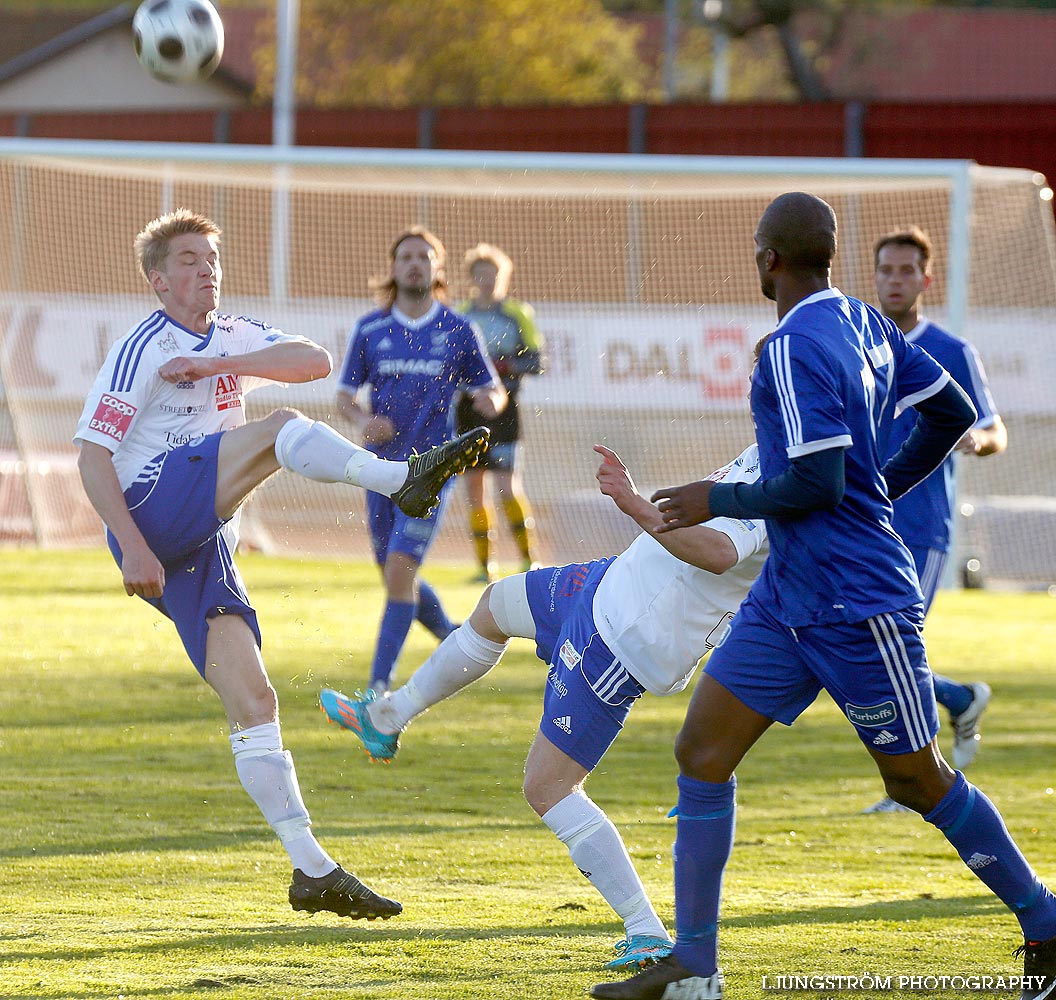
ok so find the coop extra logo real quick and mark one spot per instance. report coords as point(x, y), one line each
point(112, 417)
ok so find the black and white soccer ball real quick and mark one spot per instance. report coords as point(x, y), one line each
point(178, 41)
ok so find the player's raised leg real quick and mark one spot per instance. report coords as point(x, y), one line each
point(465, 656)
point(310, 448)
point(287, 439)
point(234, 669)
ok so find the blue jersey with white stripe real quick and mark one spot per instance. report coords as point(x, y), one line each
point(924, 516)
point(831, 376)
point(414, 368)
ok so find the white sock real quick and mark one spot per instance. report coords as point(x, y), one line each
point(462, 658)
point(267, 774)
point(316, 451)
point(597, 850)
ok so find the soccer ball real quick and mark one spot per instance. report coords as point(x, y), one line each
point(178, 41)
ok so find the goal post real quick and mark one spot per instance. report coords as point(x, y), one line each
point(640, 269)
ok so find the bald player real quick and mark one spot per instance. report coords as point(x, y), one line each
point(823, 614)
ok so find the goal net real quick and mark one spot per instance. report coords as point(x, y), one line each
point(641, 273)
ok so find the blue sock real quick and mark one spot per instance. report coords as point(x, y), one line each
point(706, 816)
point(431, 612)
point(395, 624)
point(954, 697)
point(969, 821)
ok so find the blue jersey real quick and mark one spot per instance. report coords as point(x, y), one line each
point(924, 516)
point(414, 369)
point(831, 376)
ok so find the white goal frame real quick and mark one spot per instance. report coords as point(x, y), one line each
point(603, 279)
point(957, 172)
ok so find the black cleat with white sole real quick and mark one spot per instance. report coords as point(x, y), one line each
point(427, 473)
point(667, 979)
point(342, 893)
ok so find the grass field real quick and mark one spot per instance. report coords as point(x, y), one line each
point(134, 866)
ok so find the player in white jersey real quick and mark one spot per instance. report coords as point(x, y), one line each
point(610, 630)
point(167, 459)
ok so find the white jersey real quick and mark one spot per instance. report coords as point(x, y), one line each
point(660, 615)
point(137, 415)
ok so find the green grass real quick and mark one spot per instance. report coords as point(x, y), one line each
point(133, 865)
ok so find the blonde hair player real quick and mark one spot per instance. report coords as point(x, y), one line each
point(167, 458)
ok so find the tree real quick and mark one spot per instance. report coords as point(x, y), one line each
point(806, 30)
point(463, 52)
point(805, 33)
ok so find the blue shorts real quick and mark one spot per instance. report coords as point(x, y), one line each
point(876, 671)
point(393, 531)
point(173, 503)
point(931, 568)
point(588, 693)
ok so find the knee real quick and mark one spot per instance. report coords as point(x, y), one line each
point(483, 620)
point(542, 792)
point(534, 792)
point(919, 791)
point(262, 705)
point(701, 759)
point(256, 706)
point(400, 580)
point(278, 419)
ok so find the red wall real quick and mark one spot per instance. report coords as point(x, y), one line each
point(747, 129)
point(998, 135)
point(1016, 135)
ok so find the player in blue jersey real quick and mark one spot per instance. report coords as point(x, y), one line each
point(515, 347)
point(167, 458)
point(837, 605)
point(924, 516)
point(413, 355)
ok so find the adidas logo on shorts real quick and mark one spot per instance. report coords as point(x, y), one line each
point(564, 724)
point(884, 738)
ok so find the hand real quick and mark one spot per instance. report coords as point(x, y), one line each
point(970, 444)
point(143, 575)
point(187, 369)
point(614, 480)
point(682, 506)
point(378, 430)
point(489, 403)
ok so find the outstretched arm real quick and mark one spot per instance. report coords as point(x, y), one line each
point(288, 361)
point(811, 482)
point(701, 546)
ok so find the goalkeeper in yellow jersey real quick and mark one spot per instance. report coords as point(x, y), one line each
point(515, 347)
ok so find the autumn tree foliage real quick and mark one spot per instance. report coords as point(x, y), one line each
point(463, 52)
